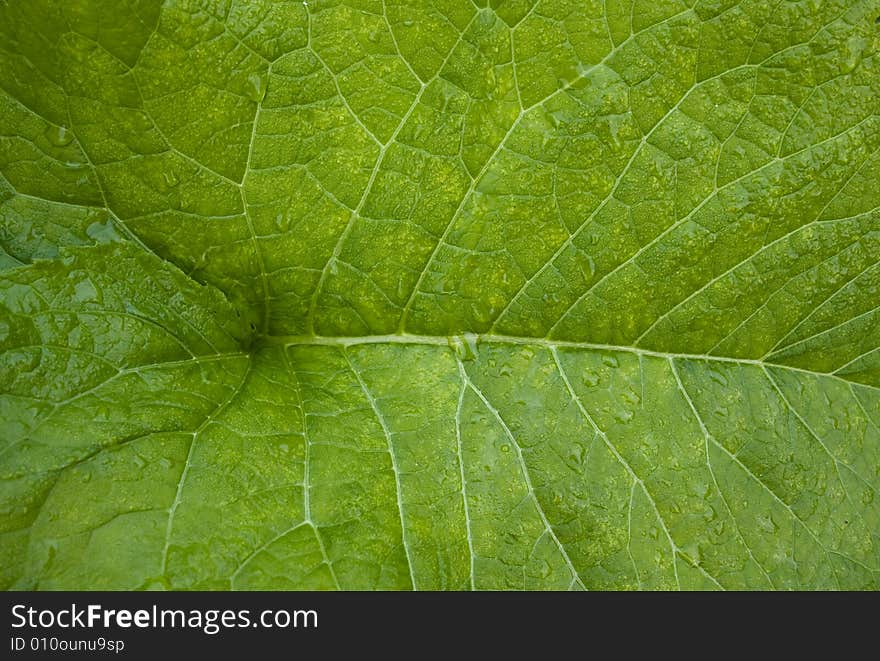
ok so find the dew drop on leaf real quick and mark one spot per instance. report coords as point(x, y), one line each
point(614, 125)
point(465, 346)
point(630, 397)
point(103, 232)
point(141, 122)
point(257, 85)
point(59, 136)
point(578, 453)
point(85, 290)
point(587, 266)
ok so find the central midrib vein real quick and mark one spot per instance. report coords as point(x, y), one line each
point(449, 341)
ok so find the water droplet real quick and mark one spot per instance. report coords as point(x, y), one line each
point(578, 454)
point(614, 125)
point(610, 361)
point(691, 554)
point(281, 222)
point(141, 122)
point(587, 266)
point(482, 314)
point(139, 461)
point(403, 288)
point(505, 370)
point(85, 291)
point(590, 379)
point(170, 177)
point(505, 448)
point(855, 48)
point(470, 342)
point(103, 232)
point(257, 85)
point(623, 416)
point(631, 397)
point(374, 36)
point(464, 346)
point(718, 377)
point(59, 136)
point(86, 476)
point(408, 23)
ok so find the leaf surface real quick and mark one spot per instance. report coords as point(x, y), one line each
point(393, 295)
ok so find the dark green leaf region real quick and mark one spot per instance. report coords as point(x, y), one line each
point(440, 294)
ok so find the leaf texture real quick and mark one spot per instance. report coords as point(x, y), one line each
point(438, 295)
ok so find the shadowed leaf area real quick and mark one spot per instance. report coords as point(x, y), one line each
point(395, 294)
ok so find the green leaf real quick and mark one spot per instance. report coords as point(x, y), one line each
point(392, 295)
